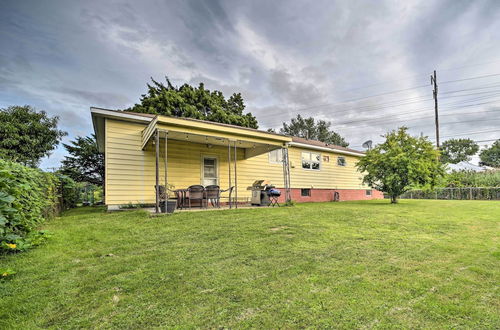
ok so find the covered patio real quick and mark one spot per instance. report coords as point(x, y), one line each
point(240, 144)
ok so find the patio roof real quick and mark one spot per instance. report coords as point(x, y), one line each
point(254, 142)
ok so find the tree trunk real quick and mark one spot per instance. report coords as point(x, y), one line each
point(394, 199)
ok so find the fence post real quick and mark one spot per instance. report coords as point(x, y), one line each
point(470, 193)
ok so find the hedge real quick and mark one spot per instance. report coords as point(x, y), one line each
point(28, 197)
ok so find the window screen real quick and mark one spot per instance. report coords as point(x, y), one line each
point(311, 160)
point(305, 192)
point(276, 156)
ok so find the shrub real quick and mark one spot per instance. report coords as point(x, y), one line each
point(472, 179)
point(28, 196)
point(69, 190)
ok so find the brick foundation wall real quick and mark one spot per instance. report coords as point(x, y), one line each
point(327, 195)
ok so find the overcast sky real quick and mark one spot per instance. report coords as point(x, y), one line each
point(325, 59)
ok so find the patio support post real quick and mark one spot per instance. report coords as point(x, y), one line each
point(166, 168)
point(235, 176)
point(286, 174)
point(157, 156)
point(229, 164)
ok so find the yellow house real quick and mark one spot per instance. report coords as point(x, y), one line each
point(142, 150)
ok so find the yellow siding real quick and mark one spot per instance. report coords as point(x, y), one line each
point(130, 171)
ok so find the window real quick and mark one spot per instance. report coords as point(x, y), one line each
point(311, 160)
point(276, 156)
point(341, 161)
point(368, 192)
point(305, 192)
point(209, 171)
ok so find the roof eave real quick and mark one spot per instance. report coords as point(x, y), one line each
point(338, 151)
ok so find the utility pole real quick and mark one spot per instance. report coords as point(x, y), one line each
point(435, 94)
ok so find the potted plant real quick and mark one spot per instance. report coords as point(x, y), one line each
point(170, 204)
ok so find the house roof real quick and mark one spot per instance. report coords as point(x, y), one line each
point(323, 144)
point(466, 166)
point(298, 141)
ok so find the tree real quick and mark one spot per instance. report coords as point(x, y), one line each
point(194, 102)
point(458, 150)
point(401, 162)
point(491, 155)
point(85, 163)
point(308, 128)
point(27, 135)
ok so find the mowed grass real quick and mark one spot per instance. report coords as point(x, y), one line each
point(418, 264)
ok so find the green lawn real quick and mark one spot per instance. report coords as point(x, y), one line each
point(349, 265)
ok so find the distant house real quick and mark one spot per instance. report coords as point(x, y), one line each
point(207, 153)
point(466, 166)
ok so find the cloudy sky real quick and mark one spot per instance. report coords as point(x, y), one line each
point(363, 65)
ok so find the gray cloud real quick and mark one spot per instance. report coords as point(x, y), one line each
point(318, 59)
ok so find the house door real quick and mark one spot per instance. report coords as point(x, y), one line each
point(210, 175)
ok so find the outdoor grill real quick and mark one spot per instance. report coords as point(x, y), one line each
point(261, 190)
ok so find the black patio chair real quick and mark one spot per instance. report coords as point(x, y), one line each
point(212, 194)
point(180, 195)
point(196, 193)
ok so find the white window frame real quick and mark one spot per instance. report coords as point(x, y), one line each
point(339, 158)
point(209, 156)
point(273, 161)
point(310, 160)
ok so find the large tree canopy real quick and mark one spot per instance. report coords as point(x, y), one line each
point(84, 163)
point(491, 156)
point(315, 130)
point(458, 150)
point(194, 102)
point(27, 135)
point(399, 163)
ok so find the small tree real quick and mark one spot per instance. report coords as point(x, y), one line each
point(308, 128)
point(399, 163)
point(458, 150)
point(491, 155)
point(85, 163)
point(27, 135)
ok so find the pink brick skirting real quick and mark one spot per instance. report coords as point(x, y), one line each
point(327, 195)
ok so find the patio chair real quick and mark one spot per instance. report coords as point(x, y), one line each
point(213, 195)
point(180, 195)
point(196, 193)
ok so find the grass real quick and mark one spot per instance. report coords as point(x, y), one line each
point(418, 264)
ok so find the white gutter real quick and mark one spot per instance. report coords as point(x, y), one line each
point(111, 113)
point(339, 151)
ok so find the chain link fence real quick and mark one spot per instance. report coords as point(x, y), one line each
point(466, 193)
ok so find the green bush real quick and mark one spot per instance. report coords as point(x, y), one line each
point(472, 179)
point(69, 190)
point(28, 196)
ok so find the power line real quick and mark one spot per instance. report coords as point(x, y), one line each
point(471, 89)
point(355, 100)
point(449, 105)
point(473, 133)
point(384, 119)
point(471, 78)
point(390, 104)
point(359, 146)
